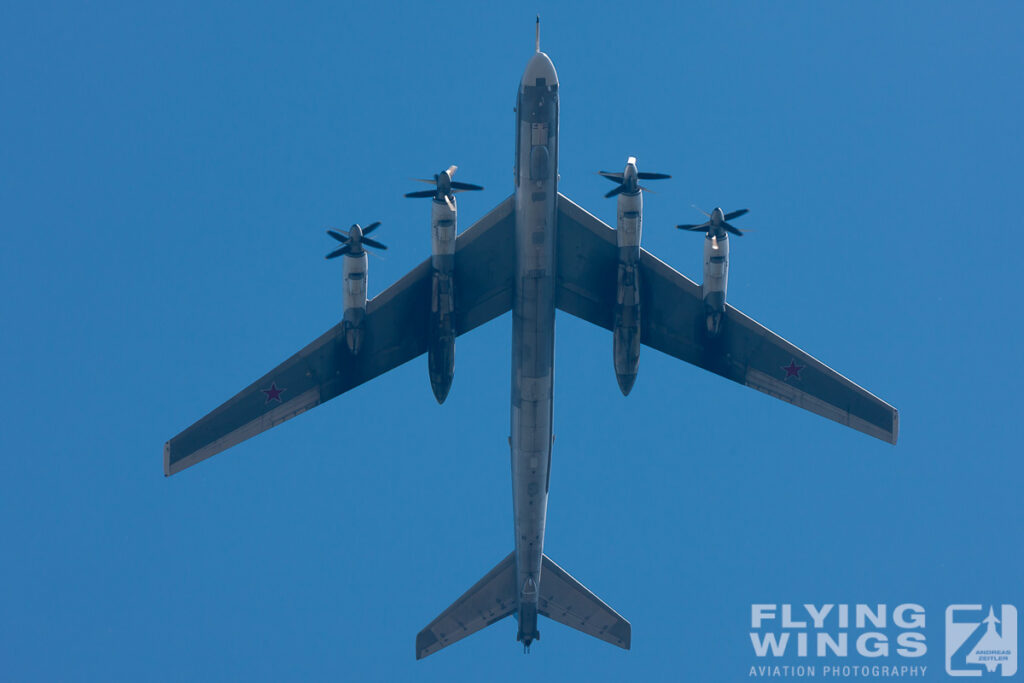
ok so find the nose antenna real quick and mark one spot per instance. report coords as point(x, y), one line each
point(538, 33)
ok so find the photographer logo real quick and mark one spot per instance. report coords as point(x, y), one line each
point(981, 640)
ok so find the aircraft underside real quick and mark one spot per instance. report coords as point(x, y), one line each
point(534, 252)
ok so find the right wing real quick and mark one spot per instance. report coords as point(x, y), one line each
point(396, 331)
point(672, 321)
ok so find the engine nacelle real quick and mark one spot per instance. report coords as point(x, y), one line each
point(441, 337)
point(626, 328)
point(443, 228)
point(354, 296)
point(629, 226)
point(626, 323)
point(716, 280)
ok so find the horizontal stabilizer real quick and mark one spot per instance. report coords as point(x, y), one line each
point(491, 599)
point(568, 602)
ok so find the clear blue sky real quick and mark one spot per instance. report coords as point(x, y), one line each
point(166, 176)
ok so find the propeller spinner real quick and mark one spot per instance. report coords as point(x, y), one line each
point(717, 224)
point(445, 187)
point(355, 240)
point(627, 180)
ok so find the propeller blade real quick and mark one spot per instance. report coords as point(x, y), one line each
point(373, 243)
point(371, 227)
point(701, 210)
point(702, 226)
point(338, 252)
point(443, 182)
point(614, 177)
point(732, 229)
point(652, 176)
point(617, 190)
point(338, 236)
point(646, 189)
point(465, 186)
point(735, 214)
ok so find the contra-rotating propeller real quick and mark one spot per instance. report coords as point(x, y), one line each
point(628, 181)
point(445, 187)
point(355, 240)
point(717, 222)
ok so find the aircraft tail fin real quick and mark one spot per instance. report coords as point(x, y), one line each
point(491, 599)
point(568, 602)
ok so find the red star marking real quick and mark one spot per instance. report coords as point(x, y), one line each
point(273, 393)
point(793, 370)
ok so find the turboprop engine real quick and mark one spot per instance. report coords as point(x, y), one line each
point(443, 230)
point(629, 225)
point(716, 263)
point(354, 278)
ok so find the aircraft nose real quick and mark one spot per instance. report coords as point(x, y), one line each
point(540, 66)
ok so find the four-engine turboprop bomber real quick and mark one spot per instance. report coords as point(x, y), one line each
point(535, 252)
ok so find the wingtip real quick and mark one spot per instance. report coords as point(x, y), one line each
point(167, 458)
point(895, 426)
point(424, 640)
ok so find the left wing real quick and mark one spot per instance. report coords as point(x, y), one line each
point(672, 321)
point(396, 331)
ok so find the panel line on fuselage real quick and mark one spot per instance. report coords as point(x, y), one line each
point(533, 327)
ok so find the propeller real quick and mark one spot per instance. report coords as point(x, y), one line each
point(629, 184)
point(355, 240)
point(445, 187)
point(717, 223)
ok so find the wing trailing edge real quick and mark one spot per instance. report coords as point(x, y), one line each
point(396, 331)
point(672, 313)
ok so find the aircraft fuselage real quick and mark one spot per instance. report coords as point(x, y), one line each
point(533, 326)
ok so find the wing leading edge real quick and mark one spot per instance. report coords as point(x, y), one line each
point(396, 331)
point(672, 322)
